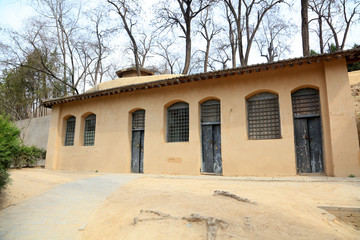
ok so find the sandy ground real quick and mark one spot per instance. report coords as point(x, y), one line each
point(284, 210)
point(29, 182)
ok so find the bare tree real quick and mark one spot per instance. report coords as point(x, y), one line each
point(318, 7)
point(170, 59)
point(334, 20)
point(76, 50)
point(208, 32)
point(146, 43)
point(100, 51)
point(55, 33)
point(248, 15)
point(220, 56)
point(128, 11)
point(339, 16)
point(273, 40)
point(62, 26)
point(40, 38)
point(182, 17)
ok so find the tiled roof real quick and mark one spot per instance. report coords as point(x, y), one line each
point(350, 55)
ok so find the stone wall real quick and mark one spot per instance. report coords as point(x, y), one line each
point(35, 131)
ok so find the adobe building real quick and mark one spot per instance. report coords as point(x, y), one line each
point(284, 118)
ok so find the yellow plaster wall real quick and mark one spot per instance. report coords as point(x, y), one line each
point(240, 156)
point(344, 143)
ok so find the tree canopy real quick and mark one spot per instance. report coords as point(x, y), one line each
point(68, 45)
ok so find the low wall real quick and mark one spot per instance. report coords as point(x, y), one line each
point(35, 131)
point(354, 77)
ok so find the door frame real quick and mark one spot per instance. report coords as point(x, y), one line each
point(307, 116)
point(209, 123)
point(138, 125)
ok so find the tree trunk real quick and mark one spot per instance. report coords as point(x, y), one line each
point(135, 48)
point(137, 65)
point(98, 62)
point(188, 52)
point(240, 47)
point(233, 60)
point(232, 44)
point(207, 55)
point(232, 38)
point(305, 27)
point(239, 36)
point(321, 40)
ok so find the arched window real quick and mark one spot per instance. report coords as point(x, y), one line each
point(89, 132)
point(70, 131)
point(263, 116)
point(178, 122)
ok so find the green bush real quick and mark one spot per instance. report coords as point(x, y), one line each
point(9, 147)
point(28, 156)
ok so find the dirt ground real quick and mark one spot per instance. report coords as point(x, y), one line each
point(162, 207)
point(29, 182)
point(283, 210)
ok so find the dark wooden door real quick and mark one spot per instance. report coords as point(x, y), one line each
point(211, 137)
point(307, 131)
point(137, 142)
point(308, 142)
point(137, 151)
point(211, 148)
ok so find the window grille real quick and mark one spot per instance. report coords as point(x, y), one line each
point(306, 103)
point(210, 112)
point(70, 131)
point(178, 123)
point(89, 133)
point(263, 116)
point(138, 120)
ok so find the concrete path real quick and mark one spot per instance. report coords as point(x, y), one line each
point(61, 212)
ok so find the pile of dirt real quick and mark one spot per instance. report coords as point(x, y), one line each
point(350, 215)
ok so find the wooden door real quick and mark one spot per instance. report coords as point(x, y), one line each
point(211, 137)
point(307, 131)
point(137, 142)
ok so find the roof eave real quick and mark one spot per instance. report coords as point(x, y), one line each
point(350, 55)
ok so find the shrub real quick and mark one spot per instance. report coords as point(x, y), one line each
point(9, 147)
point(28, 156)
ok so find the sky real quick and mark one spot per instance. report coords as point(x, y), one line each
point(13, 14)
